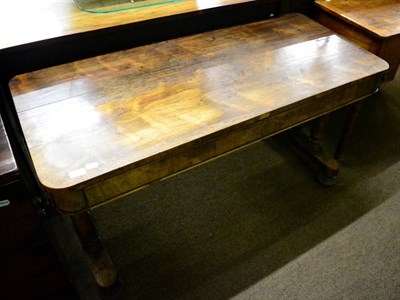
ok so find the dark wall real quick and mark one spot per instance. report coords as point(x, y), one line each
point(301, 6)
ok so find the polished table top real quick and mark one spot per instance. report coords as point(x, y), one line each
point(94, 119)
point(379, 17)
point(24, 22)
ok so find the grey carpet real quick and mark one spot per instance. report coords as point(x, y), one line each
point(256, 224)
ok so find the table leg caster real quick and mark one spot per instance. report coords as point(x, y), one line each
point(113, 292)
point(326, 178)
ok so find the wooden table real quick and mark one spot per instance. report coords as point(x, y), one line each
point(371, 24)
point(100, 128)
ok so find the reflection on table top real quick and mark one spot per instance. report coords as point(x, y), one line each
point(26, 21)
point(107, 6)
point(380, 17)
point(90, 118)
point(7, 162)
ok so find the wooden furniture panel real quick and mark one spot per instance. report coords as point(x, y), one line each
point(26, 256)
point(30, 268)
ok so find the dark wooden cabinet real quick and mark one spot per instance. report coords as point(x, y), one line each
point(29, 267)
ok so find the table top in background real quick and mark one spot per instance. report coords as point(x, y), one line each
point(25, 21)
point(379, 17)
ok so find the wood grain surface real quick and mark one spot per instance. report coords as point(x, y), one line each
point(101, 127)
point(25, 21)
point(380, 17)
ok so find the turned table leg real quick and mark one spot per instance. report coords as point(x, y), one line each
point(345, 136)
point(309, 146)
point(99, 260)
point(316, 134)
point(330, 166)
